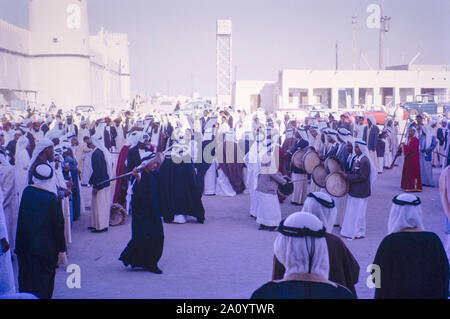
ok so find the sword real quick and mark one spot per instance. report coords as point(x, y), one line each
point(139, 168)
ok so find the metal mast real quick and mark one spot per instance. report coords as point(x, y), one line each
point(384, 27)
point(223, 60)
point(354, 22)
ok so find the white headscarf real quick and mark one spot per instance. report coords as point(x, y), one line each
point(22, 144)
point(406, 212)
point(43, 178)
point(302, 132)
point(99, 142)
point(132, 139)
point(332, 133)
point(305, 254)
point(40, 147)
point(311, 138)
point(372, 120)
point(428, 135)
point(365, 152)
point(55, 133)
point(323, 207)
point(344, 134)
point(255, 153)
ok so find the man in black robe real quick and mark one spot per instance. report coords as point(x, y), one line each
point(412, 262)
point(179, 192)
point(134, 154)
point(40, 234)
point(146, 246)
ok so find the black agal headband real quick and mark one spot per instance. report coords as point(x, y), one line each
point(300, 232)
point(322, 201)
point(400, 202)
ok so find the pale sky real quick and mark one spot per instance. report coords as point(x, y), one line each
point(174, 41)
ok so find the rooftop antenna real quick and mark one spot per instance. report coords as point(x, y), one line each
point(414, 59)
point(365, 60)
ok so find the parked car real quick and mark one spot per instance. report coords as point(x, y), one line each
point(423, 103)
point(84, 109)
point(378, 112)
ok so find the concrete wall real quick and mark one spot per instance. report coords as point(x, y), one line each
point(14, 64)
point(341, 88)
point(51, 20)
point(243, 90)
point(63, 80)
point(64, 65)
point(304, 79)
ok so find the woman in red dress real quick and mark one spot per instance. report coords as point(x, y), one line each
point(411, 179)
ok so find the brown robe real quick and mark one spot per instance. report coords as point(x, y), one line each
point(344, 269)
point(233, 170)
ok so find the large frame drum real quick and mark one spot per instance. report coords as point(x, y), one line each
point(311, 160)
point(319, 175)
point(337, 185)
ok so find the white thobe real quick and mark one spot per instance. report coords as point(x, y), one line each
point(354, 224)
point(7, 286)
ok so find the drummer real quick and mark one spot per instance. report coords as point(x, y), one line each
point(343, 136)
point(333, 145)
point(299, 177)
point(363, 174)
point(314, 137)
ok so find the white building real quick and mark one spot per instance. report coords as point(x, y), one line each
point(57, 61)
point(342, 88)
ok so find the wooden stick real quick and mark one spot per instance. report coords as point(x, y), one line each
point(401, 141)
point(131, 173)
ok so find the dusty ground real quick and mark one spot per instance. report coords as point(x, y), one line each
point(227, 257)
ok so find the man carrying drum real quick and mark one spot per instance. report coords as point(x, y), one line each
point(344, 136)
point(363, 174)
point(299, 177)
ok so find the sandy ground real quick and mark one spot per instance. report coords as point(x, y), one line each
point(227, 257)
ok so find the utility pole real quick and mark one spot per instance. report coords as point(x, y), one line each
point(337, 56)
point(354, 22)
point(384, 27)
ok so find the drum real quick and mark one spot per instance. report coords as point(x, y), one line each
point(333, 165)
point(297, 159)
point(117, 215)
point(337, 185)
point(311, 160)
point(284, 191)
point(319, 175)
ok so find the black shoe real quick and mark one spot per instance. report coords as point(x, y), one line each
point(91, 228)
point(100, 231)
point(155, 270)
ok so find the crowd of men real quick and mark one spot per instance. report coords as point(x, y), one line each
point(172, 160)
